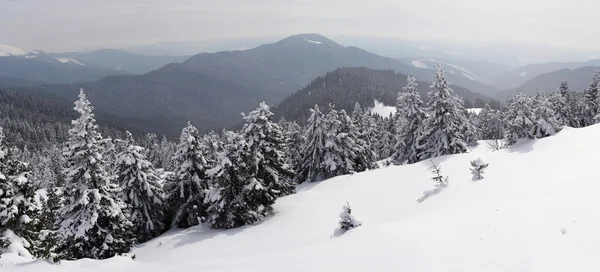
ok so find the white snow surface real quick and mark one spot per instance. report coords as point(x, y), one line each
point(6, 51)
point(315, 42)
point(524, 73)
point(382, 109)
point(469, 76)
point(515, 219)
point(69, 60)
point(419, 64)
point(475, 110)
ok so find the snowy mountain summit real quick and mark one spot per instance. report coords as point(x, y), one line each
point(533, 211)
point(8, 51)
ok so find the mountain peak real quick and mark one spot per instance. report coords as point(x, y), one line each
point(308, 38)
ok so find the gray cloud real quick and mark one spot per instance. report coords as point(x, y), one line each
point(60, 25)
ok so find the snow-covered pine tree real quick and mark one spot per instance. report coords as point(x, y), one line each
point(410, 117)
point(546, 123)
point(370, 134)
point(92, 222)
point(334, 161)
point(519, 118)
point(385, 144)
point(267, 145)
point(441, 182)
point(470, 130)
point(478, 169)
point(186, 191)
point(347, 221)
point(366, 126)
point(294, 140)
point(591, 100)
point(19, 209)
point(442, 131)
point(141, 190)
point(166, 153)
point(313, 149)
point(238, 198)
point(559, 101)
point(152, 149)
point(351, 148)
point(490, 123)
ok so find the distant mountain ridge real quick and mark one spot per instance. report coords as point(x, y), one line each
point(579, 79)
point(212, 90)
point(519, 76)
point(38, 67)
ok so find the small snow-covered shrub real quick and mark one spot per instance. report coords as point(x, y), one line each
point(478, 168)
point(441, 182)
point(347, 221)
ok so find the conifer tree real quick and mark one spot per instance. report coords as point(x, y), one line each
point(19, 209)
point(546, 123)
point(490, 124)
point(267, 145)
point(561, 105)
point(294, 140)
point(478, 169)
point(347, 221)
point(442, 131)
point(186, 190)
point(519, 118)
point(238, 197)
point(470, 130)
point(351, 149)
point(93, 224)
point(313, 149)
point(141, 190)
point(591, 100)
point(410, 117)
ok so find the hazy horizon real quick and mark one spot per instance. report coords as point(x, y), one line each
point(75, 25)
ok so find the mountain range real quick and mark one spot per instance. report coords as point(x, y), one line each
point(20, 67)
point(212, 89)
point(161, 93)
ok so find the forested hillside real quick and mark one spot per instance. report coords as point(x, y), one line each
point(346, 86)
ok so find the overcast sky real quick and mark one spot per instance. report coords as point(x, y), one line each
point(61, 25)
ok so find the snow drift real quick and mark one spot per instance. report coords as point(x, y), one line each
point(535, 210)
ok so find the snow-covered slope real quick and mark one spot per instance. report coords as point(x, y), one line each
point(6, 51)
point(535, 210)
point(382, 110)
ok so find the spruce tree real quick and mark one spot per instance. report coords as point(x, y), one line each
point(410, 117)
point(313, 149)
point(186, 190)
point(238, 198)
point(353, 152)
point(19, 209)
point(478, 169)
point(519, 118)
point(442, 132)
point(562, 106)
point(546, 123)
point(141, 190)
point(93, 224)
point(490, 124)
point(294, 140)
point(591, 100)
point(347, 221)
point(267, 145)
point(470, 130)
